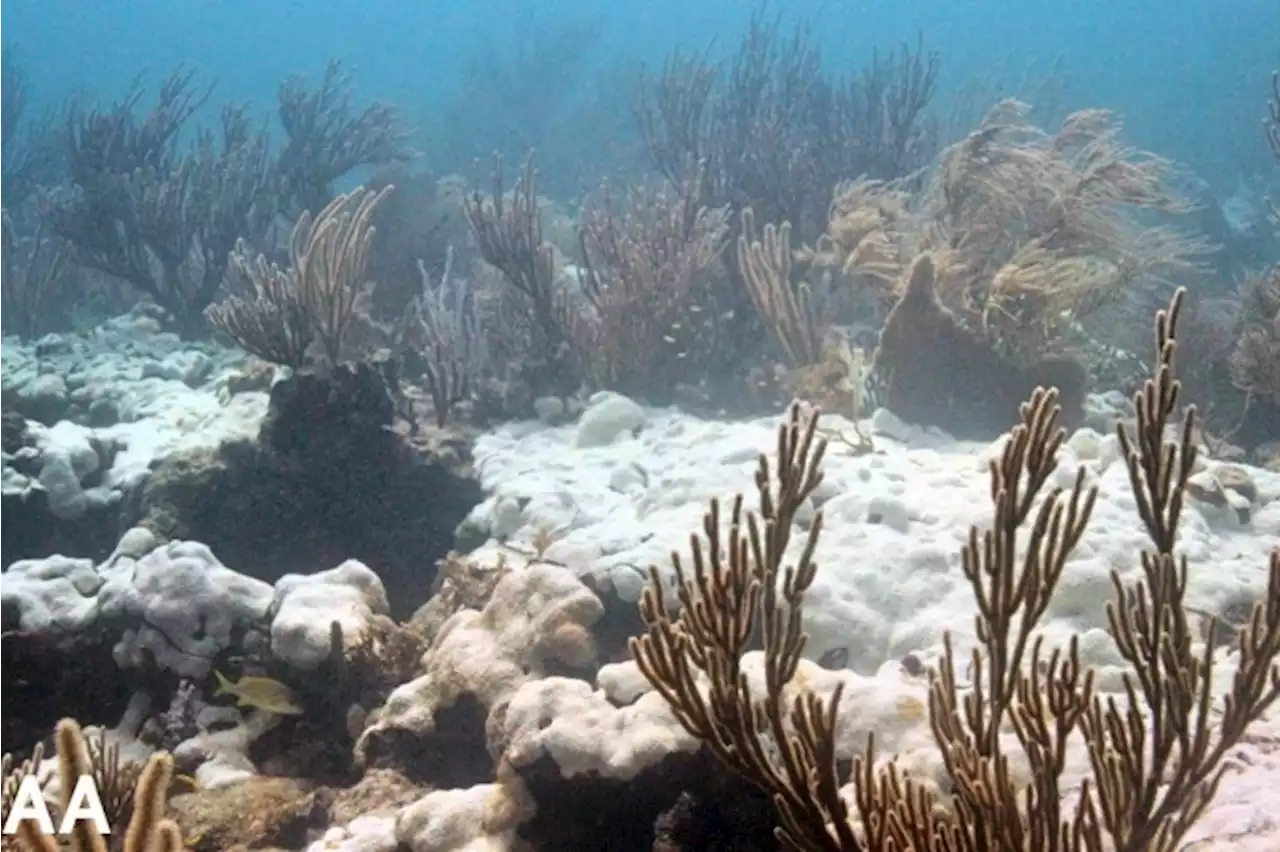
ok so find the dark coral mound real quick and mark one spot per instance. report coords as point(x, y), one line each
point(938, 373)
point(327, 479)
point(685, 802)
point(44, 681)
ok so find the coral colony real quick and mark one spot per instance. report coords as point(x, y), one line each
point(820, 483)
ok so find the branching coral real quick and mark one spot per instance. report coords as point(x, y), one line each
point(326, 139)
point(165, 216)
point(732, 589)
point(1156, 752)
point(1174, 756)
point(330, 254)
point(822, 366)
point(1030, 235)
point(36, 274)
point(282, 312)
point(138, 794)
point(789, 311)
point(1255, 361)
point(1034, 231)
point(264, 314)
point(1043, 226)
point(159, 216)
point(115, 781)
point(508, 233)
point(442, 328)
point(772, 130)
point(654, 289)
point(32, 155)
point(865, 224)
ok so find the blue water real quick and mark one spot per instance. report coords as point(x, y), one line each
point(1189, 76)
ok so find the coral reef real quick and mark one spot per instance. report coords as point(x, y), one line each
point(326, 479)
point(143, 792)
point(35, 280)
point(936, 371)
point(771, 129)
point(654, 287)
point(478, 660)
point(33, 153)
point(1022, 289)
point(327, 139)
point(506, 713)
point(162, 214)
point(315, 301)
point(1234, 377)
point(1154, 756)
point(1255, 361)
point(531, 306)
point(353, 501)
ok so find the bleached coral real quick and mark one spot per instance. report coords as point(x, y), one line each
point(482, 818)
point(536, 618)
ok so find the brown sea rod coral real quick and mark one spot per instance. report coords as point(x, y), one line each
point(147, 829)
point(281, 314)
point(530, 311)
point(654, 289)
point(1156, 753)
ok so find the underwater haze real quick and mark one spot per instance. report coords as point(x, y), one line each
point(1184, 74)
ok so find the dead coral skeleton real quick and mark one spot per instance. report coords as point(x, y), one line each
point(1156, 752)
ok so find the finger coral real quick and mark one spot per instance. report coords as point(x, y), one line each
point(282, 313)
point(142, 794)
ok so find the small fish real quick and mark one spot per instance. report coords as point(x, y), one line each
point(835, 659)
point(263, 693)
point(912, 708)
point(912, 666)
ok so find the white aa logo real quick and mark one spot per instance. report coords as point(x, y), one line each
point(29, 804)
